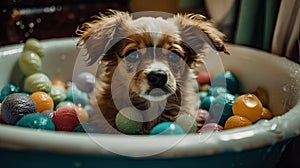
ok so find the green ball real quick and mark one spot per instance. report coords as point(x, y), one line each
point(37, 121)
point(29, 63)
point(34, 45)
point(58, 94)
point(37, 82)
point(187, 122)
point(129, 120)
point(65, 104)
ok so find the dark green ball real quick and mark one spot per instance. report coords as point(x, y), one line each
point(216, 91)
point(227, 80)
point(221, 108)
point(206, 102)
point(87, 128)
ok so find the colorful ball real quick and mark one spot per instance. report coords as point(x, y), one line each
point(30, 63)
point(221, 108)
point(129, 120)
point(249, 106)
point(82, 114)
point(167, 128)
point(9, 89)
point(58, 94)
point(43, 101)
point(207, 102)
point(15, 106)
point(34, 45)
point(216, 91)
point(187, 122)
point(87, 128)
point(37, 121)
point(76, 96)
point(211, 127)
point(237, 122)
point(203, 78)
point(65, 119)
point(37, 82)
point(85, 81)
point(59, 83)
point(266, 114)
point(227, 80)
point(65, 104)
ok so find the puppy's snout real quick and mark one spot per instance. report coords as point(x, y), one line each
point(157, 79)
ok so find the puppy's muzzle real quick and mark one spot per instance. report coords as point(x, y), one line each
point(157, 78)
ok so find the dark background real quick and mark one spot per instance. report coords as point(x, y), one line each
point(44, 19)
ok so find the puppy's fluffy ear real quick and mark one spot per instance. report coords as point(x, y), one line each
point(196, 31)
point(99, 35)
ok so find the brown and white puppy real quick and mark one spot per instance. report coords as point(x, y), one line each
point(147, 62)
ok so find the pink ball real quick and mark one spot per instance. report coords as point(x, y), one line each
point(211, 127)
point(65, 119)
point(203, 78)
point(203, 114)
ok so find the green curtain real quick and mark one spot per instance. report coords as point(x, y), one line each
point(256, 23)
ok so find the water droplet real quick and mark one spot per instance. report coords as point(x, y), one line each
point(38, 20)
point(4, 10)
point(285, 88)
point(31, 24)
point(18, 23)
point(22, 26)
point(26, 34)
point(250, 100)
point(30, 30)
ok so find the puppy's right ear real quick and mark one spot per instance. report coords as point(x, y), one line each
point(99, 35)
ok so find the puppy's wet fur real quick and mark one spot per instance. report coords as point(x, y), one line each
point(147, 62)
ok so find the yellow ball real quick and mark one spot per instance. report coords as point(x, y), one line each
point(82, 114)
point(42, 100)
point(266, 114)
point(249, 106)
point(236, 122)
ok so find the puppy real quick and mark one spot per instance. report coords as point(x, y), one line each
point(147, 62)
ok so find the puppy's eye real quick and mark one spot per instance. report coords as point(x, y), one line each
point(174, 56)
point(132, 56)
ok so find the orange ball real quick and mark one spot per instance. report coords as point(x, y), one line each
point(249, 106)
point(82, 114)
point(42, 100)
point(266, 114)
point(59, 83)
point(236, 122)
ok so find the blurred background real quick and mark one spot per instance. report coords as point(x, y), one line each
point(269, 25)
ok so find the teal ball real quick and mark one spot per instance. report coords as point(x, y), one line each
point(76, 96)
point(36, 121)
point(221, 108)
point(216, 91)
point(167, 128)
point(227, 80)
point(206, 102)
point(87, 128)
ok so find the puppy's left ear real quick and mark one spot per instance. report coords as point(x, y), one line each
point(196, 30)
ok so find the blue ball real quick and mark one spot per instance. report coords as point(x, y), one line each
point(216, 91)
point(206, 102)
point(76, 96)
point(167, 128)
point(36, 121)
point(227, 80)
point(9, 89)
point(221, 108)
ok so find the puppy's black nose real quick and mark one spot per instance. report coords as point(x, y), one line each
point(157, 79)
